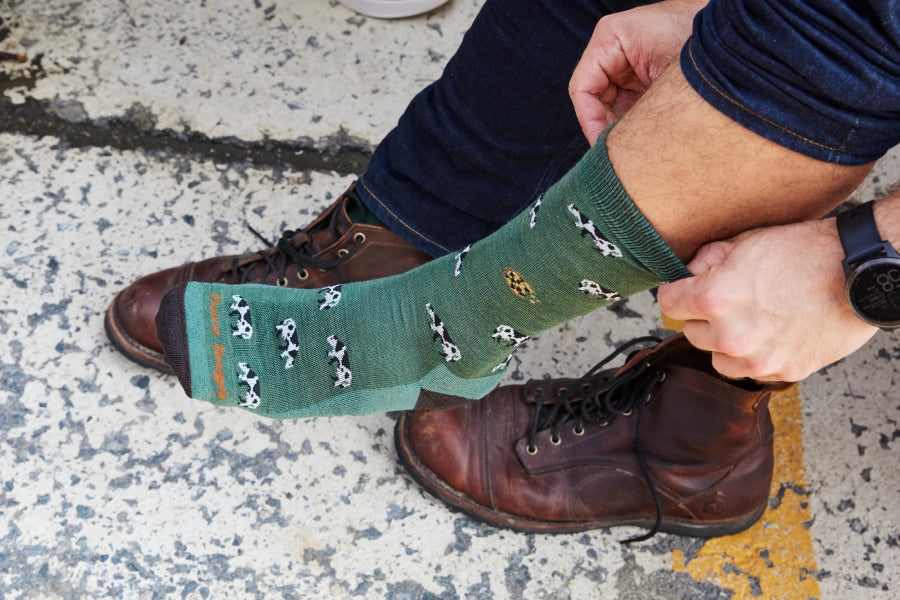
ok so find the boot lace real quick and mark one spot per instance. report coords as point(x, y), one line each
point(598, 400)
point(280, 254)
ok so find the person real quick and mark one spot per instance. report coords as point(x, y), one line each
point(729, 143)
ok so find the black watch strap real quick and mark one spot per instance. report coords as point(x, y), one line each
point(859, 234)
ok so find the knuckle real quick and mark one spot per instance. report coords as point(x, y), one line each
point(606, 21)
point(711, 302)
point(723, 365)
point(793, 374)
point(759, 367)
point(729, 345)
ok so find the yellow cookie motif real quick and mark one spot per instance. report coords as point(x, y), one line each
point(518, 285)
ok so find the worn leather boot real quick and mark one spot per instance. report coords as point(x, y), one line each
point(331, 250)
point(663, 443)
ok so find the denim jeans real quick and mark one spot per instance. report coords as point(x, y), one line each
point(821, 77)
point(476, 147)
point(473, 149)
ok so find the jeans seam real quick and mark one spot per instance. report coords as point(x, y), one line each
point(551, 174)
point(399, 220)
point(741, 106)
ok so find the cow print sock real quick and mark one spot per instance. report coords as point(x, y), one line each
point(449, 326)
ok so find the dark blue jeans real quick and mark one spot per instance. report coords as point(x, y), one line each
point(821, 77)
point(476, 147)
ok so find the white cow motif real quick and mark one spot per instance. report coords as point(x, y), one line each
point(243, 328)
point(247, 377)
point(288, 332)
point(592, 288)
point(514, 339)
point(504, 364)
point(330, 297)
point(459, 259)
point(505, 333)
point(534, 211)
point(588, 229)
point(448, 348)
point(338, 354)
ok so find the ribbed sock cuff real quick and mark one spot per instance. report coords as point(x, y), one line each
point(622, 218)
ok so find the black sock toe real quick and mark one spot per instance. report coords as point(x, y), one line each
point(171, 329)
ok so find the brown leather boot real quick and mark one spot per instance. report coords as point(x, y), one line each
point(330, 250)
point(663, 442)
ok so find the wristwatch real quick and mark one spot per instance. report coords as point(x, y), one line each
point(872, 268)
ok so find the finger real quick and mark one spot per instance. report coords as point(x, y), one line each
point(734, 367)
point(601, 63)
point(709, 256)
point(593, 85)
point(699, 334)
point(739, 355)
point(625, 99)
point(736, 337)
point(686, 299)
point(593, 116)
point(729, 366)
point(592, 98)
point(677, 300)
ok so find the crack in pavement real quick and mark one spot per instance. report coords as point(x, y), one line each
point(340, 152)
point(135, 130)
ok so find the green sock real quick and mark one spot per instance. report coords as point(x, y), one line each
point(449, 326)
point(358, 213)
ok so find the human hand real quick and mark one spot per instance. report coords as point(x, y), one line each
point(769, 303)
point(627, 51)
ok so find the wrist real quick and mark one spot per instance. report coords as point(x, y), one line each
point(871, 266)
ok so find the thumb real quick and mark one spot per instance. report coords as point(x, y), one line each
point(678, 300)
point(708, 257)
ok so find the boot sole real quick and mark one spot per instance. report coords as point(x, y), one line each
point(464, 504)
point(130, 348)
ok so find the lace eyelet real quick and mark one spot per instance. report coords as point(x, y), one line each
point(585, 388)
point(282, 282)
point(359, 237)
point(532, 450)
point(342, 252)
point(627, 413)
point(604, 424)
point(661, 376)
point(555, 440)
point(302, 274)
point(578, 430)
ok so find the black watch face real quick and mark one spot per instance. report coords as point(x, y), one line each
point(874, 292)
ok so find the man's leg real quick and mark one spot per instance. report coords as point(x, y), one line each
point(699, 176)
point(465, 157)
point(569, 455)
point(820, 94)
point(666, 444)
point(449, 326)
point(585, 233)
point(475, 148)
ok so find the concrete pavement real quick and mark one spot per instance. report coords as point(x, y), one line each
point(140, 135)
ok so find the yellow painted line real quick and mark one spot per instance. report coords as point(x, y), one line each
point(774, 559)
point(775, 556)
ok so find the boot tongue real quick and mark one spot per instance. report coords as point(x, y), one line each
point(328, 228)
point(673, 347)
